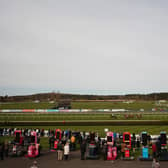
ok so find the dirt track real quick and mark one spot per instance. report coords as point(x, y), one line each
point(48, 160)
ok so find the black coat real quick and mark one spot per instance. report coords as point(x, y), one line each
point(1, 148)
point(83, 147)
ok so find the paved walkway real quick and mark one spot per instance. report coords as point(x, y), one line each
point(48, 160)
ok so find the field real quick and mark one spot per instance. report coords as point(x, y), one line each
point(83, 117)
point(137, 105)
point(134, 114)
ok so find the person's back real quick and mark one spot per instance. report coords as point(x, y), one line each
point(105, 148)
point(1, 151)
point(72, 139)
point(59, 151)
point(63, 140)
point(0, 147)
point(34, 165)
point(155, 163)
point(59, 147)
point(66, 149)
point(6, 145)
point(154, 147)
point(122, 147)
point(154, 150)
point(6, 148)
point(83, 147)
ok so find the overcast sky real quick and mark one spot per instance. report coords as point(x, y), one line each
point(83, 46)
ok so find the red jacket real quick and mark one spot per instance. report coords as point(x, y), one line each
point(154, 147)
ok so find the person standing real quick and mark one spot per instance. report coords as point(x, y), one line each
point(155, 163)
point(149, 139)
point(66, 151)
point(64, 140)
point(2, 150)
point(83, 150)
point(105, 148)
point(133, 142)
point(123, 145)
point(59, 151)
point(6, 148)
point(154, 150)
point(34, 164)
point(73, 143)
point(138, 142)
point(158, 148)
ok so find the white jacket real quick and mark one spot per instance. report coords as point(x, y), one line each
point(66, 150)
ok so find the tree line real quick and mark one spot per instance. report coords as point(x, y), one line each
point(76, 97)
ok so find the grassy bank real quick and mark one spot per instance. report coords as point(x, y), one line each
point(146, 105)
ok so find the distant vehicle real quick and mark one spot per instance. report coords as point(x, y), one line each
point(63, 104)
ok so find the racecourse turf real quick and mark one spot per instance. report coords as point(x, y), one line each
point(136, 105)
